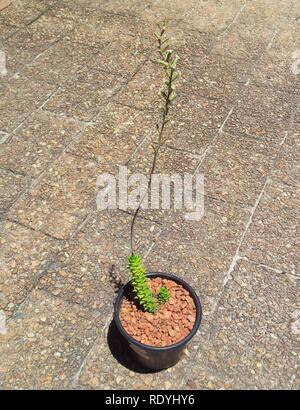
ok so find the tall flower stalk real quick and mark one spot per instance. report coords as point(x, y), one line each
point(168, 62)
point(170, 73)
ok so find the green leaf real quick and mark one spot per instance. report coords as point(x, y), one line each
point(163, 63)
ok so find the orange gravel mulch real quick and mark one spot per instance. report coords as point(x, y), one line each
point(172, 323)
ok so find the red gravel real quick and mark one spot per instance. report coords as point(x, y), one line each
point(172, 323)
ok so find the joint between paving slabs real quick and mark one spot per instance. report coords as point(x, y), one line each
point(271, 268)
point(75, 379)
point(228, 276)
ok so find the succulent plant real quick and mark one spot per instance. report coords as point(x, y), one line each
point(140, 283)
point(163, 295)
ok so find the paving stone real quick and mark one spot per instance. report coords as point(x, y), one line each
point(223, 93)
point(21, 12)
point(261, 102)
point(24, 255)
point(189, 136)
point(11, 187)
point(83, 95)
point(169, 9)
point(203, 249)
point(58, 336)
point(37, 142)
point(19, 98)
point(213, 17)
point(262, 127)
point(238, 42)
point(62, 198)
point(287, 165)
point(6, 29)
point(169, 161)
point(115, 136)
point(236, 168)
point(122, 56)
point(276, 67)
point(79, 11)
point(253, 342)
point(31, 41)
point(202, 379)
point(125, 5)
point(263, 13)
point(219, 77)
point(198, 111)
point(91, 268)
point(60, 62)
point(142, 92)
point(104, 27)
point(272, 236)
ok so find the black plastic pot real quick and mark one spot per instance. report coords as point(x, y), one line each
point(157, 357)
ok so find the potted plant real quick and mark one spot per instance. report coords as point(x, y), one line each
point(157, 313)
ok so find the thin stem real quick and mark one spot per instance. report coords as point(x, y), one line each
point(167, 97)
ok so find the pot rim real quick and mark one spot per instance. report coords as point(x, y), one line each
point(178, 344)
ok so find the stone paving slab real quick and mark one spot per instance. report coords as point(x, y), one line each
point(24, 255)
point(115, 134)
point(258, 101)
point(266, 13)
point(272, 238)
point(208, 17)
point(238, 43)
point(79, 99)
point(62, 198)
point(103, 27)
point(19, 97)
point(169, 161)
point(237, 168)
point(12, 185)
point(191, 44)
point(41, 137)
point(6, 29)
point(83, 95)
point(142, 92)
point(78, 11)
point(32, 40)
point(261, 127)
point(122, 56)
point(23, 12)
point(59, 62)
point(259, 353)
point(220, 70)
point(210, 113)
point(274, 69)
point(171, 9)
point(58, 336)
point(287, 168)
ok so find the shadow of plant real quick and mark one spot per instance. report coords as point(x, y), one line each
point(114, 279)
